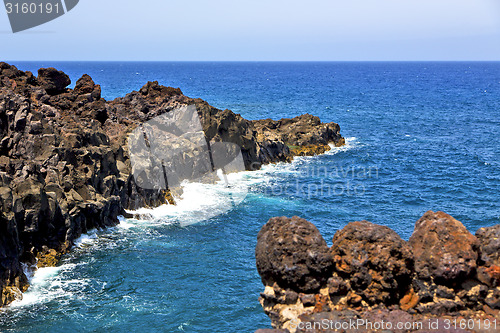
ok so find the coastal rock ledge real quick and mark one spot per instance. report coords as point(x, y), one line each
point(65, 168)
point(444, 279)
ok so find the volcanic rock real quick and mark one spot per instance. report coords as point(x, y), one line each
point(65, 167)
point(489, 260)
point(52, 80)
point(376, 276)
point(292, 253)
point(443, 248)
point(374, 260)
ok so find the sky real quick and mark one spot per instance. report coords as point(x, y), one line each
point(263, 30)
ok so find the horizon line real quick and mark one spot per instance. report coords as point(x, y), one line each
point(252, 61)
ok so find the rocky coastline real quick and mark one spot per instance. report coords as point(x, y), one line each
point(444, 277)
point(65, 168)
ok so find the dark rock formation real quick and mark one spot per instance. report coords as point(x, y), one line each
point(442, 274)
point(305, 135)
point(300, 131)
point(52, 80)
point(292, 253)
point(65, 168)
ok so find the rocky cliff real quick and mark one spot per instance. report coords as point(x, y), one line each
point(65, 168)
point(444, 277)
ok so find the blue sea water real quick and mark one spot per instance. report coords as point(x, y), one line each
point(420, 136)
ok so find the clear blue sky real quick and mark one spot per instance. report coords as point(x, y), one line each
point(263, 30)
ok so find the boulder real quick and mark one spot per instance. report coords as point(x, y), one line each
point(444, 249)
point(375, 261)
point(378, 277)
point(292, 253)
point(84, 85)
point(52, 80)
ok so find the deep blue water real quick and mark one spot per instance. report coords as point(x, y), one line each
point(421, 136)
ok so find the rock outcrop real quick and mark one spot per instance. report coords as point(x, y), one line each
point(305, 135)
point(443, 274)
point(65, 168)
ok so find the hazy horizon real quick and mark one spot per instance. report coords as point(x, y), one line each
point(251, 61)
point(224, 30)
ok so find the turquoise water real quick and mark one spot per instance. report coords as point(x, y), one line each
point(420, 136)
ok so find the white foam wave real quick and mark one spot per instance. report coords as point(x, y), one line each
point(86, 239)
point(47, 284)
point(124, 223)
point(200, 202)
point(350, 143)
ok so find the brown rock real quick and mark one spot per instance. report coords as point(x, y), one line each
point(489, 275)
point(292, 253)
point(443, 248)
point(472, 293)
point(52, 80)
point(337, 287)
point(409, 301)
point(49, 258)
point(308, 299)
point(489, 260)
point(84, 85)
point(375, 260)
point(489, 239)
point(493, 299)
point(9, 294)
point(309, 150)
point(303, 130)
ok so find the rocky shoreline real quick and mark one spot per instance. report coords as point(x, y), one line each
point(444, 277)
point(65, 168)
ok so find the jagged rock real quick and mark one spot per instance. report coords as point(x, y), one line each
point(489, 275)
point(443, 248)
point(473, 294)
point(52, 80)
point(64, 164)
point(377, 263)
point(292, 253)
point(303, 130)
point(84, 85)
point(12, 278)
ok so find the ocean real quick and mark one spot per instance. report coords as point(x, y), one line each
point(419, 136)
